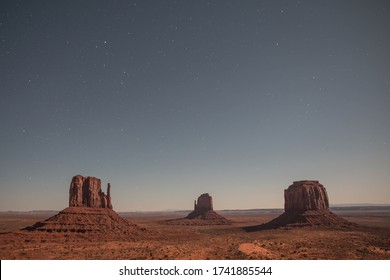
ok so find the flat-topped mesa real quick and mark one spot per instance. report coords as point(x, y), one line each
point(305, 204)
point(305, 195)
point(87, 192)
point(205, 203)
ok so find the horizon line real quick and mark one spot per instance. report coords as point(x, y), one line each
point(235, 209)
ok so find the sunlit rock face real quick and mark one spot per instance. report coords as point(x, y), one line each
point(305, 195)
point(86, 191)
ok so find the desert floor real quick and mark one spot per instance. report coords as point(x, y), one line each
point(369, 240)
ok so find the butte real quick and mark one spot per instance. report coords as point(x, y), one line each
point(90, 211)
point(306, 203)
point(203, 214)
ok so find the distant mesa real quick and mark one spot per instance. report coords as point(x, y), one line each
point(203, 214)
point(202, 206)
point(306, 203)
point(89, 211)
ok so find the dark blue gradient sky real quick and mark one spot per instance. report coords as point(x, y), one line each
point(169, 99)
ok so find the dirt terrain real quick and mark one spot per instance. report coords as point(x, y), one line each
point(370, 239)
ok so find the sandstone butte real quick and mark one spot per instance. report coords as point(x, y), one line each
point(86, 191)
point(306, 203)
point(203, 214)
point(89, 211)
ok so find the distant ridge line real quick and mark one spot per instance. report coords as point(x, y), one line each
point(332, 206)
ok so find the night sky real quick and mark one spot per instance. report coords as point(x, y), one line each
point(167, 100)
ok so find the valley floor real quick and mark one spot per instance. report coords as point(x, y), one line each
point(370, 240)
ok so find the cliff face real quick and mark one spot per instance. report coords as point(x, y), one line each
point(203, 213)
point(204, 203)
point(86, 191)
point(305, 195)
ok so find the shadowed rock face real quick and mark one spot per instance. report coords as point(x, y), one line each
point(201, 206)
point(205, 203)
point(86, 191)
point(203, 210)
point(305, 195)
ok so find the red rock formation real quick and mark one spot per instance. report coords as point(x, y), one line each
point(90, 211)
point(88, 220)
point(205, 203)
point(109, 205)
point(76, 191)
point(203, 214)
point(306, 204)
point(305, 195)
point(86, 191)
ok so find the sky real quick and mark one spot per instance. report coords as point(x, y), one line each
point(167, 100)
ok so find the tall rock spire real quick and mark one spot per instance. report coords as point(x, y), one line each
point(109, 205)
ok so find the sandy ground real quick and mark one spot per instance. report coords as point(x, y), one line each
point(370, 240)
